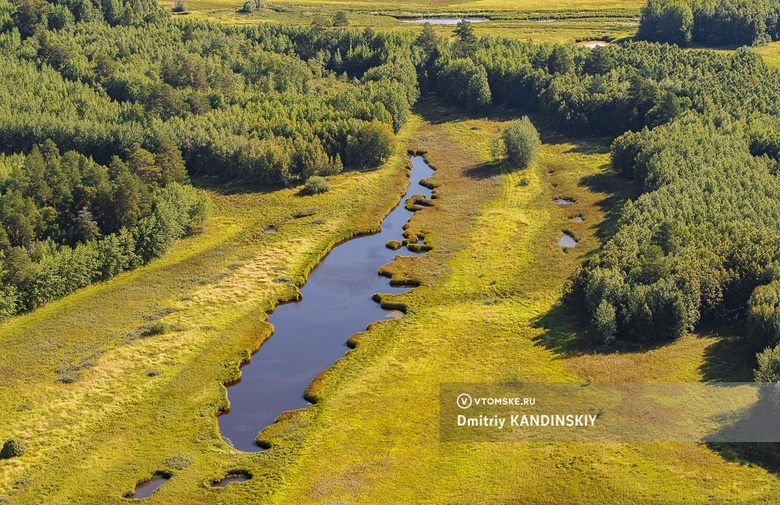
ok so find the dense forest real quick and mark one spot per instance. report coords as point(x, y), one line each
point(697, 130)
point(107, 108)
point(710, 22)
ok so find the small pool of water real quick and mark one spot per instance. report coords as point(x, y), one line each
point(563, 201)
point(593, 44)
point(231, 479)
point(271, 229)
point(146, 489)
point(567, 240)
point(444, 21)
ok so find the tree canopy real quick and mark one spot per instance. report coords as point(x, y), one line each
point(107, 110)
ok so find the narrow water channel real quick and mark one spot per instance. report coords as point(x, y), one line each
point(311, 334)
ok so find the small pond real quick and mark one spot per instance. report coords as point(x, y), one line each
point(146, 489)
point(231, 478)
point(567, 240)
point(444, 21)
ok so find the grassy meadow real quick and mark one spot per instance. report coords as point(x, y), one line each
point(559, 21)
point(102, 404)
point(488, 309)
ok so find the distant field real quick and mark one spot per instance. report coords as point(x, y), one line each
point(771, 53)
point(475, 5)
point(558, 21)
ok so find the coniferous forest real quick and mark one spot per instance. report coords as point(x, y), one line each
point(697, 130)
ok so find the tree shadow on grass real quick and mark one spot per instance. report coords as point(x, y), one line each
point(618, 192)
point(233, 187)
point(486, 170)
point(759, 423)
point(763, 454)
point(435, 110)
point(591, 145)
point(731, 358)
point(565, 335)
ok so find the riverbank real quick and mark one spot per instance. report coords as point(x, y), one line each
point(487, 309)
point(146, 404)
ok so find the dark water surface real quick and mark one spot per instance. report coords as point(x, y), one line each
point(146, 489)
point(231, 479)
point(311, 334)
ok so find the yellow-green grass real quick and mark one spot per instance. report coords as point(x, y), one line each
point(90, 441)
point(559, 31)
point(470, 5)
point(533, 7)
point(770, 53)
point(488, 310)
point(574, 20)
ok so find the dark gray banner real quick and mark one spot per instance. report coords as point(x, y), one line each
point(610, 412)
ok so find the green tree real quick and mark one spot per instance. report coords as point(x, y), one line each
point(467, 39)
point(465, 83)
point(605, 322)
point(561, 60)
point(168, 158)
point(370, 145)
point(144, 164)
point(521, 141)
point(315, 185)
point(666, 21)
point(428, 41)
point(340, 19)
point(768, 372)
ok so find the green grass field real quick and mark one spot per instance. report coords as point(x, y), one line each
point(573, 20)
point(374, 437)
point(102, 408)
point(136, 401)
point(518, 6)
point(144, 405)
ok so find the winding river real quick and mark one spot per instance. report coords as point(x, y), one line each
point(311, 334)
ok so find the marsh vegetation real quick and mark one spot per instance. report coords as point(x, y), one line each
point(205, 169)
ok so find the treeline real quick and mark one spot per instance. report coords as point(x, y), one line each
point(66, 221)
point(138, 101)
point(710, 22)
point(30, 16)
point(604, 91)
point(698, 130)
point(696, 244)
